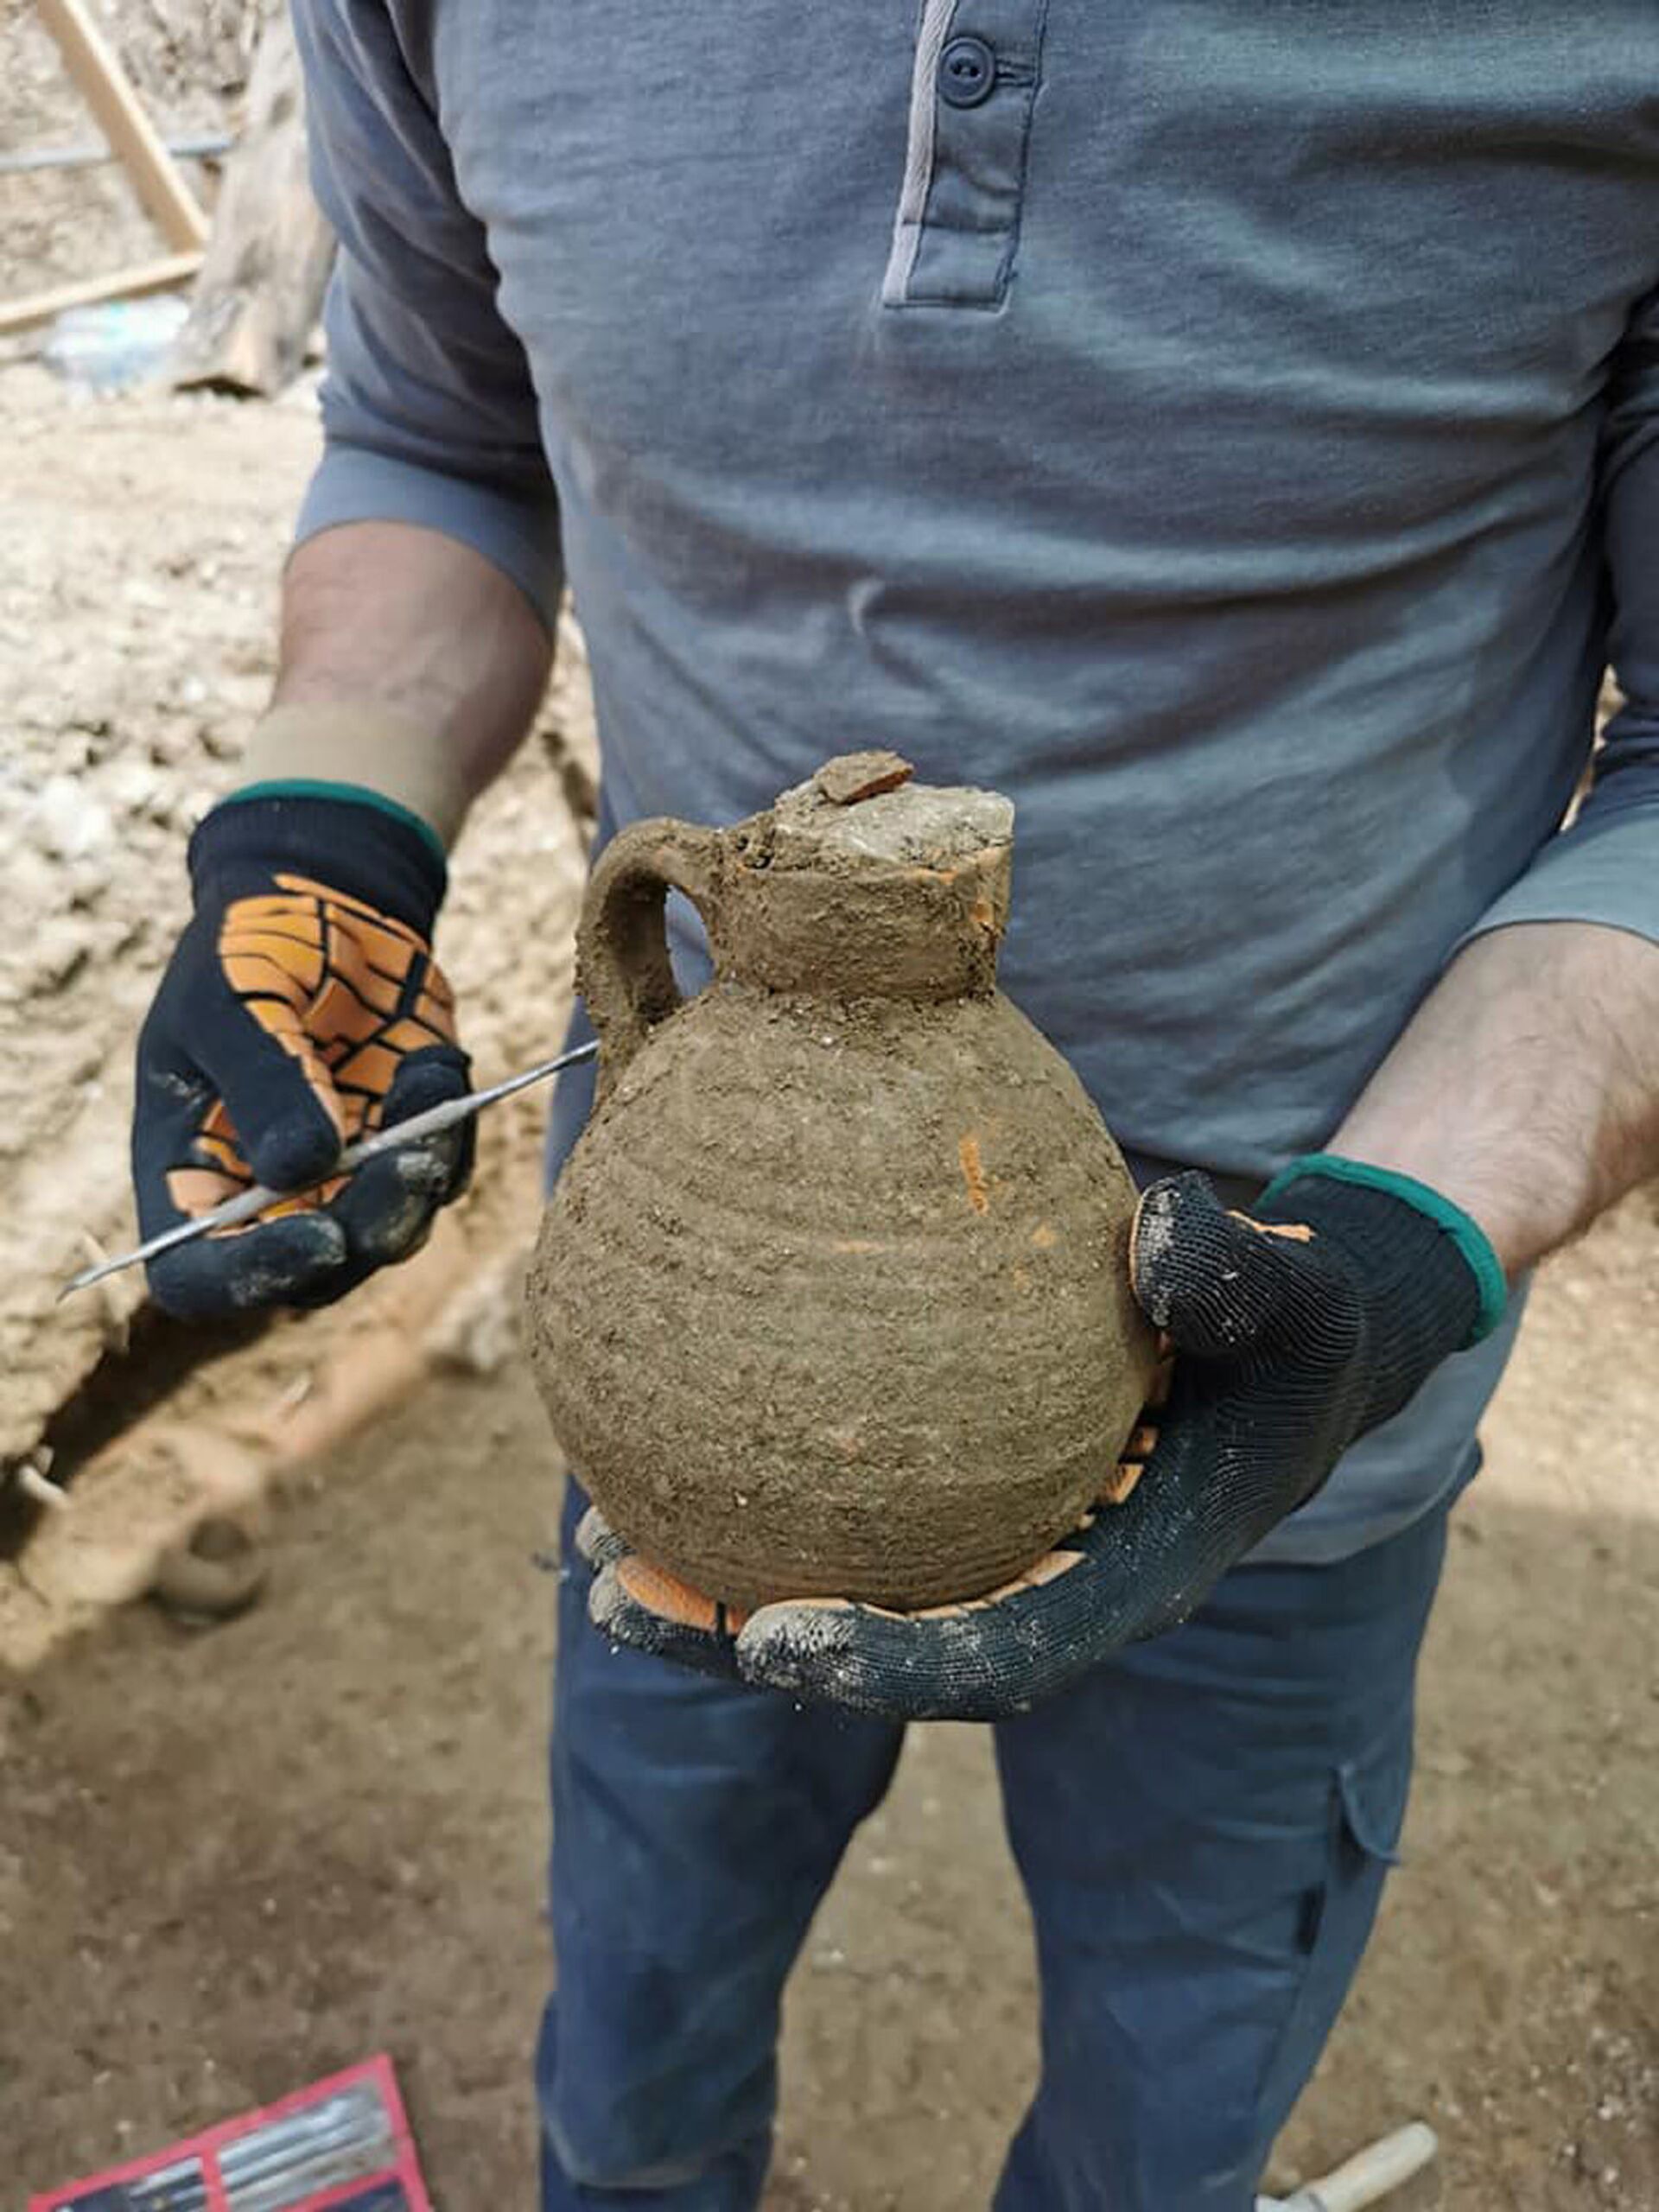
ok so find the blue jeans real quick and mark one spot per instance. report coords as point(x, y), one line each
point(1203, 1828)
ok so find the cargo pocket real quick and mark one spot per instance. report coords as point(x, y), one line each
point(1367, 1810)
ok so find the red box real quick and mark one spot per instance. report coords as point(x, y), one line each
point(342, 2145)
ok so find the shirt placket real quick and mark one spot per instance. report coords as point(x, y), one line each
point(977, 66)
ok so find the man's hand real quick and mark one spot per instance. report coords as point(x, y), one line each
point(1294, 1329)
point(302, 1009)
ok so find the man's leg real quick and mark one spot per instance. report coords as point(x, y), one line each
point(695, 1826)
point(1203, 1828)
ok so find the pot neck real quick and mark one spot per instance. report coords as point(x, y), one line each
point(874, 930)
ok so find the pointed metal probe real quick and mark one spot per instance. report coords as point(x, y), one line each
point(248, 1205)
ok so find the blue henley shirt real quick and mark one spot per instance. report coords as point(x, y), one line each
point(1230, 428)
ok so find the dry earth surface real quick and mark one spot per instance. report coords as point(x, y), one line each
point(231, 1859)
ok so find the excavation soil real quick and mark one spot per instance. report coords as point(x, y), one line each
point(231, 1860)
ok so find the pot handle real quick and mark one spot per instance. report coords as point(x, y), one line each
point(623, 969)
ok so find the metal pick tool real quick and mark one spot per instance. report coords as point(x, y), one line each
point(248, 1205)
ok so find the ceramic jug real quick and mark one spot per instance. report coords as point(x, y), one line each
point(832, 1296)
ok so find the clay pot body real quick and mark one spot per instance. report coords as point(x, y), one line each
point(832, 1296)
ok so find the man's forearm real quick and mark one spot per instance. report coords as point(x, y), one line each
point(409, 664)
point(1526, 1089)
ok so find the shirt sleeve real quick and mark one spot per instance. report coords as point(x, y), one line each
point(428, 412)
point(1606, 866)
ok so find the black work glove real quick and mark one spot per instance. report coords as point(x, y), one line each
point(1294, 1329)
point(302, 1009)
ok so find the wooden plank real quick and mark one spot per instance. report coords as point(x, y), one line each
point(256, 300)
point(110, 94)
point(118, 283)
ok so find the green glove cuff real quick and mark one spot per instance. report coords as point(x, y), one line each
point(353, 794)
point(1463, 1228)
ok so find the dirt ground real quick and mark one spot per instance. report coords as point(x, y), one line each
point(234, 1858)
point(231, 1859)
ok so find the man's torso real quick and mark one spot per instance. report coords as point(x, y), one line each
point(1194, 438)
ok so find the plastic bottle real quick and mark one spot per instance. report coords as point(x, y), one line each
point(116, 343)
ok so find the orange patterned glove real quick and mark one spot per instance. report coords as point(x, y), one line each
point(302, 1009)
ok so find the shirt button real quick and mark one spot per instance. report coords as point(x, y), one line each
point(967, 73)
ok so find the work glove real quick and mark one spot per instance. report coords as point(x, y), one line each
point(302, 1009)
point(1291, 1330)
